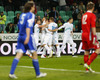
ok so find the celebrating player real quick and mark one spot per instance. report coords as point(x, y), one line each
point(89, 38)
point(48, 37)
point(68, 35)
point(25, 42)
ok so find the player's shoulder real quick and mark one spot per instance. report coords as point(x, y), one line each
point(89, 13)
point(36, 24)
point(55, 24)
point(31, 15)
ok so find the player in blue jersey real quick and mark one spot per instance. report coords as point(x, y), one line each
point(25, 39)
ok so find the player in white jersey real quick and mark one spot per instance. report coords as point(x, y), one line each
point(55, 41)
point(37, 28)
point(48, 36)
point(36, 31)
point(68, 33)
point(44, 20)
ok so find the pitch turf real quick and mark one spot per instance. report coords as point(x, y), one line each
point(70, 66)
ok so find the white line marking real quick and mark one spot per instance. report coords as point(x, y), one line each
point(52, 69)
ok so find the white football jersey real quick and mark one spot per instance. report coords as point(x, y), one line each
point(68, 28)
point(51, 26)
point(36, 29)
point(43, 31)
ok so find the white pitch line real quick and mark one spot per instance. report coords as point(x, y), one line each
point(52, 69)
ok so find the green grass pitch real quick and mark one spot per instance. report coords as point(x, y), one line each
point(70, 66)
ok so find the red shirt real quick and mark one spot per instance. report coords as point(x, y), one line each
point(88, 21)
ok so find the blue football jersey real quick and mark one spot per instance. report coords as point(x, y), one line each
point(26, 20)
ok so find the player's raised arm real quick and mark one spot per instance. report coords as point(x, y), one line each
point(61, 27)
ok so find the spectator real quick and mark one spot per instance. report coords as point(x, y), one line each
point(54, 13)
point(98, 22)
point(17, 4)
point(2, 21)
point(9, 5)
point(75, 10)
point(82, 6)
point(60, 18)
point(39, 18)
point(47, 13)
point(16, 19)
point(96, 13)
point(79, 16)
point(10, 28)
point(59, 23)
point(76, 28)
point(62, 4)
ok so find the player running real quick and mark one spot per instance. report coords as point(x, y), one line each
point(25, 41)
point(89, 38)
point(68, 33)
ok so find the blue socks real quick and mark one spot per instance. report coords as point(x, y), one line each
point(36, 66)
point(14, 64)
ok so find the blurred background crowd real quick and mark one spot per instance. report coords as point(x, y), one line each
point(61, 10)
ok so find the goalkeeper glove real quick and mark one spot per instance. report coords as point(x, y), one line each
point(95, 41)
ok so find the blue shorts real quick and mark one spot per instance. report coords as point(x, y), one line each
point(31, 46)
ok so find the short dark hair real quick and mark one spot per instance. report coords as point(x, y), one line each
point(45, 18)
point(27, 6)
point(69, 19)
point(51, 18)
point(38, 20)
point(90, 5)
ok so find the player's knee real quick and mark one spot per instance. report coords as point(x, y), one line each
point(97, 51)
point(87, 52)
point(74, 44)
point(34, 55)
point(19, 55)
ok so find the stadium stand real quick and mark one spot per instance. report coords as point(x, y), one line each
point(65, 14)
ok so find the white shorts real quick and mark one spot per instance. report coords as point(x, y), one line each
point(48, 39)
point(67, 39)
point(55, 39)
point(42, 37)
point(36, 37)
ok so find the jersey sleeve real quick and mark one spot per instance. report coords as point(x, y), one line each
point(93, 21)
point(30, 20)
point(72, 28)
point(50, 27)
point(63, 26)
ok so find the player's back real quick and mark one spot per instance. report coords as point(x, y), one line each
point(26, 21)
point(88, 21)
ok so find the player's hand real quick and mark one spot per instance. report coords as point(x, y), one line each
point(26, 41)
point(95, 41)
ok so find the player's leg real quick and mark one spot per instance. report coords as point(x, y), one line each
point(58, 50)
point(71, 42)
point(50, 46)
point(32, 47)
point(86, 58)
point(55, 42)
point(44, 53)
point(44, 42)
point(93, 56)
point(64, 44)
point(14, 65)
point(20, 50)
